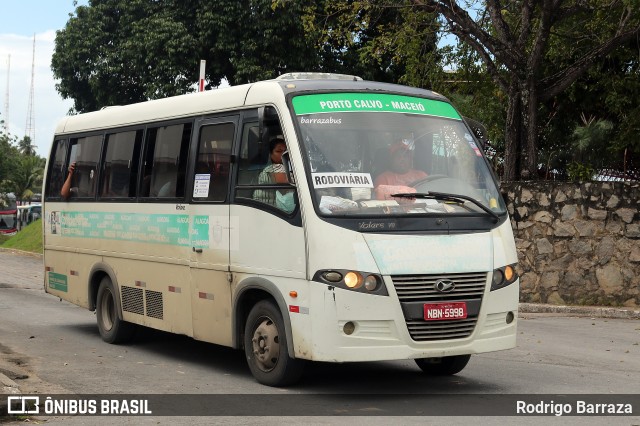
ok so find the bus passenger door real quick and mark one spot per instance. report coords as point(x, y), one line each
point(267, 238)
point(209, 229)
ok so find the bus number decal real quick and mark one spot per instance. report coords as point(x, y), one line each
point(58, 281)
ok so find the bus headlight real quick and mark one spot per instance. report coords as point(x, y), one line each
point(362, 282)
point(371, 283)
point(353, 279)
point(504, 276)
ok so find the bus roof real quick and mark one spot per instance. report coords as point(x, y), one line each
point(220, 99)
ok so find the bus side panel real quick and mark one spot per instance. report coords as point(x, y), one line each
point(67, 275)
point(211, 299)
point(140, 243)
point(266, 248)
point(154, 294)
point(265, 244)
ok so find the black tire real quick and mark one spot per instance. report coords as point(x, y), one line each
point(445, 366)
point(264, 335)
point(112, 328)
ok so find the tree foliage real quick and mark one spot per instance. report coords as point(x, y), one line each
point(534, 51)
point(21, 171)
point(528, 69)
point(124, 51)
point(26, 177)
point(375, 41)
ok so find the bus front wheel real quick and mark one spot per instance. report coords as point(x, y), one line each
point(265, 346)
point(112, 328)
point(445, 366)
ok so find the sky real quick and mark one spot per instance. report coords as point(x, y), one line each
point(20, 20)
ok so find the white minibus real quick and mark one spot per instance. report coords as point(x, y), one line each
point(314, 217)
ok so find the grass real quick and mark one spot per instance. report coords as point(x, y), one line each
point(27, 239)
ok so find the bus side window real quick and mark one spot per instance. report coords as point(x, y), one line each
point(211, 178)
point(165, 161)
point(58, 171)
point(85, 152)
point(256, 169)
point(253, 155)
point(121, 164)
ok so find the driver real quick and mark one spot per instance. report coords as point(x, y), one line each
point(402, 172)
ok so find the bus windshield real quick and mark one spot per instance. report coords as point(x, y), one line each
point(380, 154)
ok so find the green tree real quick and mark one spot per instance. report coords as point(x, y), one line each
point(253, 40)
point(375, 41)
point(26, 147)
point(8, 158)
point(124, 51)
point(115, 52)
point(532, 50)
point(513, 40)
point(26, 177)
point(609, 91)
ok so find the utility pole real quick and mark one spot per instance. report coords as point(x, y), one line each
point(30, 129)
point(6, 99)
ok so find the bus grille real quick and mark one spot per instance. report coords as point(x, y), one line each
point(413, 288)
point(421, 330)
point(421, 289)
point(132, 300)
point(154, 304)
point(142, 302)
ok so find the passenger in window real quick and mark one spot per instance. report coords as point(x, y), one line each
point(402, 174)
point(275, 173)
point(167, 190)
point(67, 190)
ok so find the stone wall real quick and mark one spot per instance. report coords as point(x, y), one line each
point(578, 243)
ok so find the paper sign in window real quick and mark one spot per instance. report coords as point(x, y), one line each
point(201, 185)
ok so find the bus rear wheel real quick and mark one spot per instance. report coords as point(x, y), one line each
point(265, 346)
point(445, 366)
point(112, 328)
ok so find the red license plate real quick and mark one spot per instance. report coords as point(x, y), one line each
point(445, 311)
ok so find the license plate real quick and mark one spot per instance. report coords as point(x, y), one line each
point(445, 311)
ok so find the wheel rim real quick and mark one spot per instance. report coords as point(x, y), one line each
point(107, 310)
point(266, 344)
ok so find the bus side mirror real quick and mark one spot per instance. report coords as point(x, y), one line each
point(505, 198)
point(479, 131)
point(266, 115)
point(260, 124)
point(286, 162)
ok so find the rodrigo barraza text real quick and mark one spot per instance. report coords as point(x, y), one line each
point(575, 407)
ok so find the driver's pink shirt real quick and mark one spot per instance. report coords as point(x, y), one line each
point(395, 179)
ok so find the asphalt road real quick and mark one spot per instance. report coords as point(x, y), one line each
point(49, 346)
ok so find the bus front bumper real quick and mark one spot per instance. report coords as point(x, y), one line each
point(349, 326)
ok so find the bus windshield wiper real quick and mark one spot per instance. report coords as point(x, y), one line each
point(442, 196)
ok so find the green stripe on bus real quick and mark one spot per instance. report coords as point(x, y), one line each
point(371, 102)
point(171, 229)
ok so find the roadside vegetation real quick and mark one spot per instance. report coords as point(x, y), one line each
point(28, 239)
